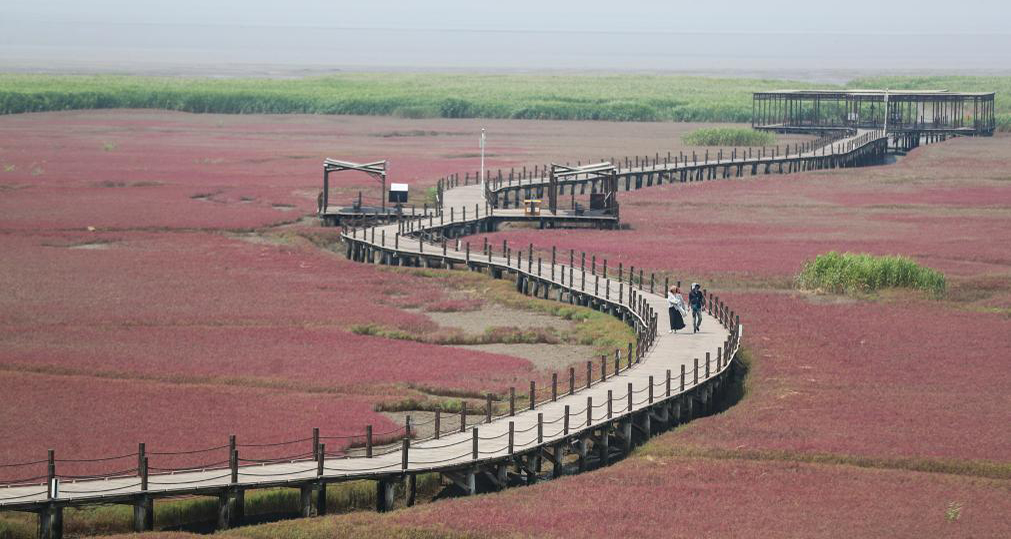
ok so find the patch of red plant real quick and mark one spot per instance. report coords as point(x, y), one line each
point(87, 417)
point(650, 497)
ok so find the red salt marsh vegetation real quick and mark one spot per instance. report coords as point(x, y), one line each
point(150, 247)
point(850, 402)
point(83, 417)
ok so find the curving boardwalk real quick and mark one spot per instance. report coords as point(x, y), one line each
point(663, 380)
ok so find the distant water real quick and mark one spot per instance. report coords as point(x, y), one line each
point(292, 51)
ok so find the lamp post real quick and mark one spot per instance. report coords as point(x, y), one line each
point(886, 111)
point(482, 156)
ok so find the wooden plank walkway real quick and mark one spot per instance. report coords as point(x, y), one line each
point(852, 150)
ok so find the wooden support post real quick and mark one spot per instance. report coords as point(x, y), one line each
point(463, 416)
point(589, 411)
point(572, 380)
point(143, 514)
point(610, 403)
point(306, 508)
point(487, 408)
point(411, 488)
point(512, 401)
point(384, 495)
point(51, 522)
point(533, 394)
point(512, 434)
point(438, 424)
point(554, 386)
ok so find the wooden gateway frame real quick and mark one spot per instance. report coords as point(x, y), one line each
point(376, 169)
point(605, 171)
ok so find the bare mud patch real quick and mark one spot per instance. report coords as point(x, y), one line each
point(545, 357)
point(498, 316)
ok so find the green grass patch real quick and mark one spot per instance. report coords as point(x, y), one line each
point(406, 95)
point(431, 95)
point(849, 273)
point(728, 136)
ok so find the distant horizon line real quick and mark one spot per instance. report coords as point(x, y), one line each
point(620, 31)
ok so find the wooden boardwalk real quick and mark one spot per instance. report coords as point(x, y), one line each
point(859, 147)
point(664, 379)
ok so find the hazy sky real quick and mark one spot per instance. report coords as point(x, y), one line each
point(296, 37)
point(849, 16)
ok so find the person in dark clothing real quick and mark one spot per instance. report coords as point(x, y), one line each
point(697, 302)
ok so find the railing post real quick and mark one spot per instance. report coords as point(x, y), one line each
point(512, 430)
point(474, 437)
point(630, 396)
point(368, 441)
point(589, 374)
point(668, 382)
point(463, 416)
point(512, 401)
point(682, 378)
point(319, 459)
point(651, 389)
point(315, 443)
point(708, 360)
point(565, 422)
point(533, 395)
point(438, 424)
point(572, 380)
point(404, 453)
point(487, 408)
point(696, 372)
point(141, 455)
point(610, 403)
point(51, 474)
point(540, 428)
point(554, 386)
point(589, 411)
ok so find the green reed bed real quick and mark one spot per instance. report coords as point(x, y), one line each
point(848, 273)
point(728, 136)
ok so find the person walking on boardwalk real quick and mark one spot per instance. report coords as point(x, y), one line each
point(676, 309)
point(696, 300)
